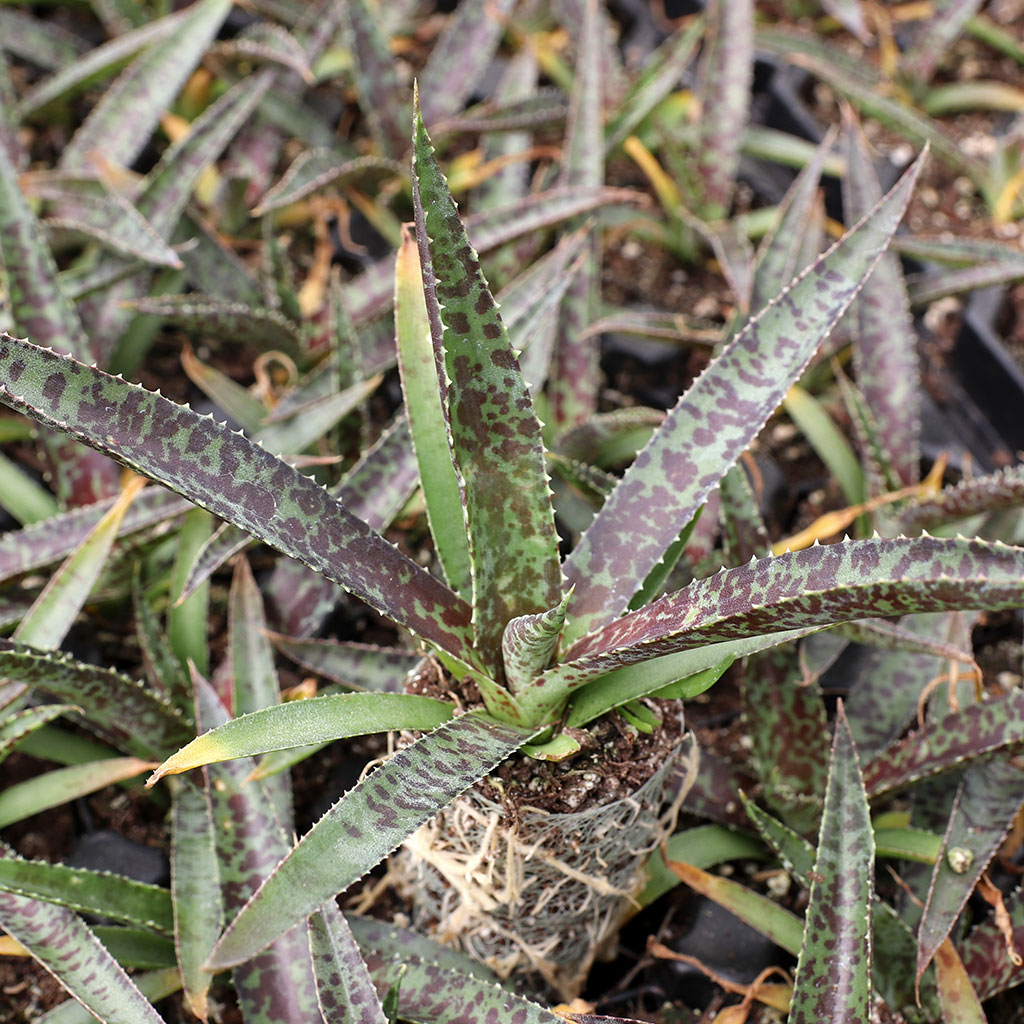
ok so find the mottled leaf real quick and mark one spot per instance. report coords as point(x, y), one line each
point(63, 944)
point(929, 286)
point(263, 43)
point(495, 434)
point(715, 421)
point(344, 988)
point(744, 534)
point(316, 169)
point(383, 100)
point(100, 893)
point(948, 743)
point(727, 68)
point(15, 727)
point(934, 39)
point(985, 955)
point(116, 708)
point(120, 124)
point(987, 801)
point(971, 496)
point(885, 342)
point(236, 480)
point(806, 589)
point(528, 643)
point(461, 56)
point(316, 720)
point(959, 1001)
point(356, 666)
point(47, 44)
point(833, 974)
point(367, 824)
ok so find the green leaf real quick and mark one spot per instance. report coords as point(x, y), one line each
point(933, 39)
point(428, 424)
point(496, 436)
point(154, 985)
point(833, 975)
point(195, 884)
point(716, 420)
point(119, 125)
point(20, 495)
point(236, 480)
point(528, 643)
point(316, 169)
point(100, 893)
point(366, 824)
point(957, 996)
point(298, 722)
point(355, 666)
point(15, 727)
point(51, 789)
point(60, 941)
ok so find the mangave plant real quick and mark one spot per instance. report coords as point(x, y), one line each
point(525, 643)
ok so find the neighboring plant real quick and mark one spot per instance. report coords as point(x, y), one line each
point(528, 653)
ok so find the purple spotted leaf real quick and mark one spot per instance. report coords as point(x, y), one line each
point(610, 439)
point(959, 1001)
point(934, 37)
point(949, 743)
point(833, 974)
point(545, 105)
point(572, 15)
point(528, 643)
point(53, 539)
point(744, 534)
point(64, 945)
point(118, 709)
point(1004, 489)
point(96, 64)
point(889, 636)
point(714, 422)
point(119, 126)
point(354, 666)
point(316, 169)
point(366, 824)
point(931, 285)
point(344, 987)
point(727, 67)
point(496, 436)
point(787, 725)
point(461, 56)
point(10, 141)
point(267, 44)
point(807, 589)
point(383, 100)
point(575, 381)
point(275, 986)
point(265, 329)
point(985, 955)
point(885, 342)
point(987, 802)
point(236, 480)
point(15, 727)
point(195, 884)
point(48, 46)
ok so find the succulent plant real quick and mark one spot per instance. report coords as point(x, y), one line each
point(560, 595)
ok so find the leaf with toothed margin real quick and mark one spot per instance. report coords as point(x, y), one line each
point(1004, 489)
point(120, 710)
point(263, 43)
point(884, 338)
point(65, 946)
point(315, 169)
point(100, 893)
point(356, 666)
point(344, 988)
point(236, 480)
point(119, 126)
point(807, 589)
point(316, 720)
point(528, 642)
point(726, 74)
point(984, 951)
point(366, 824)
point(931, 285)
point(833, 974)
point(957, 996)
point(383, 100)
point(461, 56)
point(265, 329)
point(99, 63)
point(15, 727)
point(986, 804)
point(277, 985)
point(956, 739)
point(715, 421)
point(496, 436)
